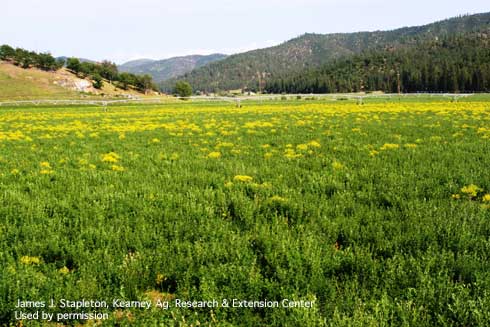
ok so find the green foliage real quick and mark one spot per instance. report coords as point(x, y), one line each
point(27, 59)
point(6, 52)
point(24, 58)
point(97, 81)
point(87, 69)
point(108, 70)
point(73, 64)
point(125, 79)
point(373, 240)
point(144, 83)
point(183, 89)
point(47, 62)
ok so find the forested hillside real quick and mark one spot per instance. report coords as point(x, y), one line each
point(255, 69)
point(457, 63)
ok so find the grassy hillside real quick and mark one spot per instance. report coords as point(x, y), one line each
point(18, 84)
point(27, 84)
point(253, 69)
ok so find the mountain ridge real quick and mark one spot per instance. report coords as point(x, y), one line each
point(251, 70)
point(164, 69)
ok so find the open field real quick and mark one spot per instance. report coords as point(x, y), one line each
point(379, 213)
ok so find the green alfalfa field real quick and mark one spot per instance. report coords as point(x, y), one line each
point(378, 214)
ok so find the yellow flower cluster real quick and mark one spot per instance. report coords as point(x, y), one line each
point(474, 193)
point(291, 154)
point(117, 168)
point(27, 260)
point(214, 155)
point(471, 190)
point(389, 146)
point(45, 168)
point(243, 178)
point(337, 165)
point(314, 144)
point(64, 270)
point(111, 157)
point(277, 198)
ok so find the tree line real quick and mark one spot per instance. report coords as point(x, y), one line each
point(108, 70)
point(454, 63)
point(97, 72)
point(27, 59)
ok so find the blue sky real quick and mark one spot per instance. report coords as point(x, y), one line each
point(121, 30)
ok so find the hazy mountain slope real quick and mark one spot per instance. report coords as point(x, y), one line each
point(81, 59)
point(135, 64)
point(254, 68)
point(162, 70)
